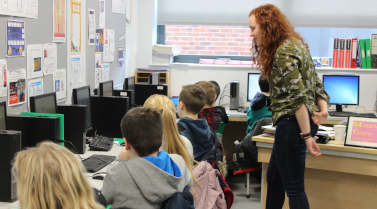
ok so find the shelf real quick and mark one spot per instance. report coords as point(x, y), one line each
point(345, 69)
point(143, 77)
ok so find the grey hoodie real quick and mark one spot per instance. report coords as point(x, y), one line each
point(137, 183)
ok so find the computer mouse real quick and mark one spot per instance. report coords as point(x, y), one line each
point(99, 176)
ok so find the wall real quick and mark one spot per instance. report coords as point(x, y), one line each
point(37, 31)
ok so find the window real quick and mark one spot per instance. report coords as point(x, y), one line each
point(195, 42)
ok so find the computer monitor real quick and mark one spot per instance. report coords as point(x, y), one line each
point(3, 115)
point(106, 88)
point(252, 85)
point(342, 89)
point(107, 112)
point(82, 96)
point(45, 103)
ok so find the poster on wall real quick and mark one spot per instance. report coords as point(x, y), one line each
point(108, 47)
point(3, 78)
point(75, 69)
point(35, 87)
point(17, 87)
point(120, 52)
point(99, 39)
point(59, 18)
point(49, 59)
point(91, 26)
point(98, 69)
point(19, 8)
point(15, 38)
point(75, 26)
point(34, 61)
point(60, 84)
point(102, 14)
point(119, 6)
point(105, 73)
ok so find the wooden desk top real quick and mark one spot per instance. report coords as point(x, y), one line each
point(335, 147)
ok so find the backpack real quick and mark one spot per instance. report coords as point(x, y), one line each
point(180, 200)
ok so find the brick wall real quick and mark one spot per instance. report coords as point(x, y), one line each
point(209, 40)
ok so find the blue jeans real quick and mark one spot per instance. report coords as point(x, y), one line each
point(287, 166)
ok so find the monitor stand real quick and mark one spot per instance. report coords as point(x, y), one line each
point(339, 108)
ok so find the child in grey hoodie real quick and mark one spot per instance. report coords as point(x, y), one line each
point(144, 177)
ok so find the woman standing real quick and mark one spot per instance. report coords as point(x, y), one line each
point(298, 103)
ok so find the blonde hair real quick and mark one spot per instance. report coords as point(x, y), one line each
point(173, 143)
point(49, 176)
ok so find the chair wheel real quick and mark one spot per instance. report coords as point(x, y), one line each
point(248, 196)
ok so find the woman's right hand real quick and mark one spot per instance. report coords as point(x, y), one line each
point(312, 147)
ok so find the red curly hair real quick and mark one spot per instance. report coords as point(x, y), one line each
point(274, 30)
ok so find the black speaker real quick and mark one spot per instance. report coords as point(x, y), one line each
point(75, 124)
point(10, 144)
point(234, 95)
point(143, 91)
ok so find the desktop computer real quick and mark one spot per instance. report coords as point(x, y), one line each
point(106, 88)
point(10, 144)
point(234, 95)
point(252, 85)
point(35, 129)
point(143, 91)
point(107, 112)
point(44, 103)
point(75, 126)
point(342, 89)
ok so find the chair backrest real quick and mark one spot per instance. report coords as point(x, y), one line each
point(257, 129)
point(182, 200)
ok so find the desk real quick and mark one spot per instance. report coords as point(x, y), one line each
point(116, 149)
point(234, 130)
point(343, 177)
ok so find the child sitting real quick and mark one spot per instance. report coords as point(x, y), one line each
point(191, 100)
point(144, 177)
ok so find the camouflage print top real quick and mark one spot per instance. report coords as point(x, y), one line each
point(293, 80)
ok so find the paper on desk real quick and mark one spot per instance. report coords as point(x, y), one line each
point(325, 128)
point(269, 127)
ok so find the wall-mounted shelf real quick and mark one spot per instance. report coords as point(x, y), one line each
point(345, 69)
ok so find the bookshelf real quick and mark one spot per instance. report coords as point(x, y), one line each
point(145, 77)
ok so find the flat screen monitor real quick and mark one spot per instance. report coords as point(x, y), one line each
point(45, 103)
point(3, 115)
point(252, 85)
point(106, 88)
point(129, 83)
point(107, 112)
point(342, 89)
point(81, 96)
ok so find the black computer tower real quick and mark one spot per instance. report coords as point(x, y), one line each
point(10, 144)
point(143, 91)
point(234, 95)
point(126, 93)
point(75, 125)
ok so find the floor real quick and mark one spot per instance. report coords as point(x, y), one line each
point(237, 183)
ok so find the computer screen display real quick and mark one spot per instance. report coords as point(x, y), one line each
point(3, 115)
point(45, 103)
point(106, 88)
point(252, 85)
point(81, 96)
point(175, 100)
point(342, 89)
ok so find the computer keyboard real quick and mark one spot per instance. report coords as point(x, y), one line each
point(341, 114)
point(96, 162)
point(349, 114)
point(101, 143)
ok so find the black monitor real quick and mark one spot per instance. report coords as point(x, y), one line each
point(107, 112)
point(129, 83)
point(35, 129)
point(252, 85)
point(143, 91)
point(3, 115)
point(45, 103)
point(106, 88)
point(81, 96)
point(342, 89)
